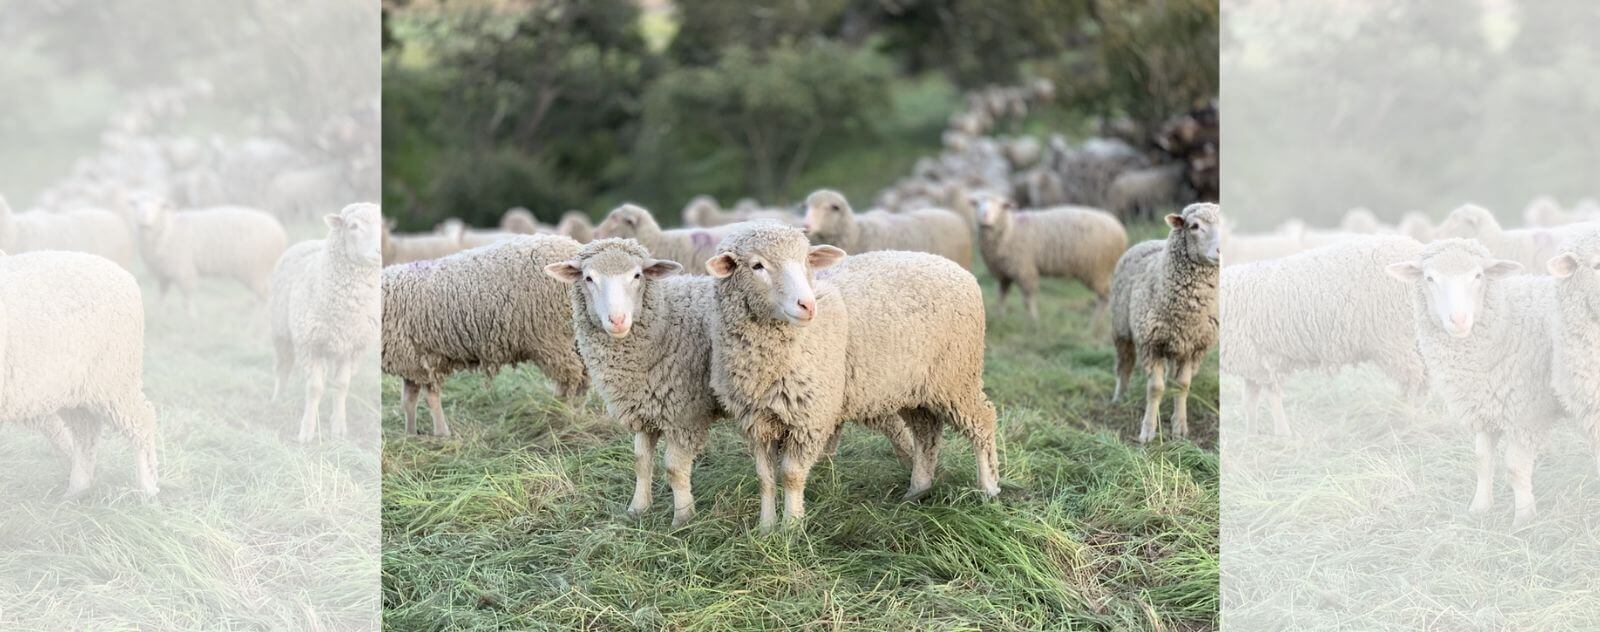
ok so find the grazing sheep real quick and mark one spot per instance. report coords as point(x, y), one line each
point(886, 335)
point(1072, 242)
point(471, 237)
point(325, 308)
point(1023, 152)
point(1324, 308)
point(690, 247)
point(398, 249)
point(1576, 329)
point(830, 220)
point(229, 242)
point(482, 309)
point(72, 344)
point(1531, 247)
point(1417, 226)
point(519, 220)
point(1164, 311)
point(703, 212)
point(644, 336)
point(93, 231)
point(1485, 337)
point(1145, 192)
point(575, 224)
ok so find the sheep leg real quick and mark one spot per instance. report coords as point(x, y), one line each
point(441, 428)
point(1280, 420)
point(1180, 399)
point(1030, 295)
point(408, 405)
point(315, 372)
point(1519, 462)
point(765, 454)
point(1004, 285)
point(832, 447)
point(893, 427)
point(977, 421)
point(1252, 398)
point(926, 428)
point(798, 459)
point(83, 435)
point(341, 389)
point(644, 451)
point(137, 419)
point(56, 431)
point(1483, 447)
point(680, 466)
point(1124, 367)
point(1156, 373)
point(284, 355)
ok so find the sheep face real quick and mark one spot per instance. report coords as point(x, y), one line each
point(613, 280)
point(1199, 229)
point(775, 272)
point(628, 221)
point(152, 214)
point(827, 212)
point(357, 232)
point(1579, 267)
point(1454, 278)
point(993, 211)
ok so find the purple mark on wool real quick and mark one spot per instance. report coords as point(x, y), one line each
point(422, 265)
point(701, 239)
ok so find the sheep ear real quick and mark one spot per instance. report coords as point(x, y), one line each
point(661, 268)
point(1407, 271)
point(1502, 268)
point(822, 257)
point(721, 266)
point(1563, 265)
point(1175, 221)
point(564, 271)
point(334, 220)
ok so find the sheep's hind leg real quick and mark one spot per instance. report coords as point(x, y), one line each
point(1280, 419)
point(1180, 399)
point(926, 428)
point(1004, 287)
point(315, 372)
point(1155, 389)
point(680, 469)
point(1519, 461)
point(441, 427)
point(1483, 448)
point(1252, 399)
point(1124, 368)
point(408, 405)
point(977, 421)
point(644, 451)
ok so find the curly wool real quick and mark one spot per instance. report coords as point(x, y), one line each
point(1575, 330)
point(1165, 301)
point(399, 249)
point(1073, 242)
point(690, 247)
point(228, 242)
point(930, 230)
point(72, 341)
point(93, 231)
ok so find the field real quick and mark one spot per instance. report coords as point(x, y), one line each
point(250, 531)
point(517, 521)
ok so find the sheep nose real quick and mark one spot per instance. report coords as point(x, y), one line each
point(808, 307)
point(1459, 319)
point(617, 322)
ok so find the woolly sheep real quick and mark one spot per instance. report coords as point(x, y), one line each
point(690, 247)
point(1024, 152)
point(93, 231)
point(471, 237)
point(1544, 211)
point(1531, 247)
point(575, 224)
point(1145, 192)
point(72, 343)
point(830, 220)
point(1164, 311)
point(1486, 341)
point(703, 212)
point(1362, 221)
point(1073, 242)
point(398, 249)
point(1323, 308)
point(324, 310)
point(886, 334)
point(230, 242)
point(483, 309)
point(1417, 226)
point(519, 220)
point(1575, 328)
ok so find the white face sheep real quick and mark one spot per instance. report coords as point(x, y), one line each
point(612, 286)
point(830, 220)
point(1073, 242)
point(230, 242)
point(1454, 282)
point(1576, 331)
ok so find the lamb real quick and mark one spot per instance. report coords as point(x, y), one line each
point(1073, 242)
point(483, 308)
point(1531, 247)
point(688, 246)
point(1323, 308)
point(324, 310)
point(72, 347)
point(94, 231)
point(1164, 311)
point(830, 220)
point(398, 249)
point(886, 334)
point(1575, 327)
point(1486, 340)
point(231, 242)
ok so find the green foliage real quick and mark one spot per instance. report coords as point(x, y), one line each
point(709, 27)
point(1159, 56)
point(981, 43)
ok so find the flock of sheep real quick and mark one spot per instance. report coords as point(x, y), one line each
point(1502, 325)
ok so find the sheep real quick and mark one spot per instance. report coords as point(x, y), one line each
point(94, 231)
point(1323, 308)
point(1164, 311)
point(703, 212)
point(324, 310)
point(1575, 328)
point(1240, 249)
point(471, 237)
point(72, 348)
point(1145, 192)
point(1531, 247)
point(1486, 340)
point(231, 242)
point(575, 224)
point(1362, 221)
point(1416, 225)
point(519, 220)
point(1074, 242)
point(830, 220)
point(690, 247)
point(483, 308)
point(1544, 211)
point(886, 334)
point(1023, 152)
point(399, 249)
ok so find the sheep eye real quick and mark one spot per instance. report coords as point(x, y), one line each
point(638, 275)
point(588, 279)
point(757, 266)
point(835, 207)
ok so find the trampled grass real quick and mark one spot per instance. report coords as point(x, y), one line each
point(517, 522)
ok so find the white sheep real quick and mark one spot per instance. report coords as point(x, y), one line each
point(325, 307)
point(72, 344)
point(1485, 336)
point(471, 237)
point(1416, 225)
point(703, 212)
point(830, 220)
point(1072, 242)
point(399, 248)
point(886, 334)
point(519, 220)
point(1164, 311)
point(1147, 191)
point(690, 247)
point(94, 231)
point(1531, 247)
point(1575, 328)
point(480, 309)
point(1320, 309)
point(576, 224)
point(228, 242)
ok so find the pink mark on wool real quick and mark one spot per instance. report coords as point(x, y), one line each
point(422, 265)
point(701, 239)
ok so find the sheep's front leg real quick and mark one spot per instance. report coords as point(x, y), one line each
point(1519, 461)
point(441, 427)
point(766, 456)
point(1180, 399)
point(798, 458)
point(680, 467)
point(1156, 372)
point(1483, 498)
point(1004, 285)
point(308, 421)
point(1280, 420)
point(1252, 398)
point(408, 405)
point(644, 450)
point(341, 390)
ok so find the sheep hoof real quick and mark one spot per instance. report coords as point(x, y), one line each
point(914, 495)
point(304, 437)
point(1521, 519)
point(75, 493)
point(679, 520)
point(1478, 506)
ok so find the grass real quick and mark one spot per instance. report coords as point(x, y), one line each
point(1359, 521)
point(517, 521)
point(250, 531)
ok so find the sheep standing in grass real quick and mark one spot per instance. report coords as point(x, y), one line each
point(690, 247)
point(1531, 247)
point(94, 231)
point(1164, 311)
point(703, 212)
point(1074, 242)
point(1323, 308)
point(325, 309)
point(830, 220)
point(398, 249)
point(1485, 336)
point(1576, 331)
point(886, 334)
point(483, 309)
point(229, 242)
point(72, 344)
